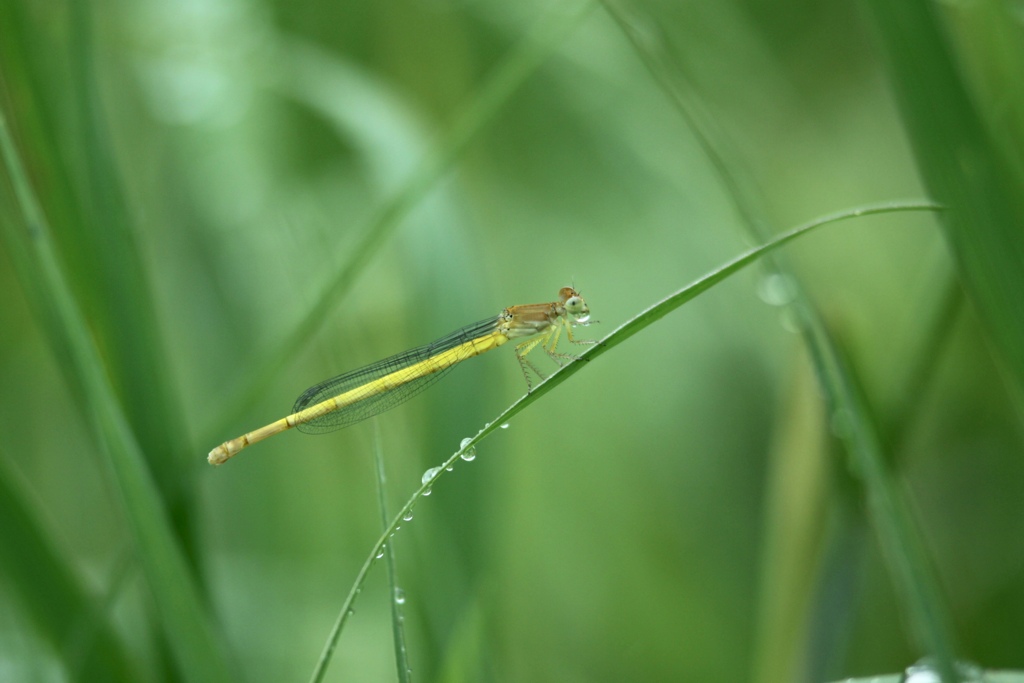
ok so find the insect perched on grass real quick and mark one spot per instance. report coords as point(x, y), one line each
point(368, 391)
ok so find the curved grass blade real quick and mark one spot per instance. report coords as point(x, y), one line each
point(628, 329)
point(909, 563)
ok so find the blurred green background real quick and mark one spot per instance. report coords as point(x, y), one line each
point(217, 173)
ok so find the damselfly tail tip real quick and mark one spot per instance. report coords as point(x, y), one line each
point(218, 456)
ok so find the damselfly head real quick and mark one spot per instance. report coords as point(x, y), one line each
point(574, 304)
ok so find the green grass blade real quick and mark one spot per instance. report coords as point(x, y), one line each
point(171, 582)
point(52, 593)
point(94, 236)
point(648, 43)
point(923, 365)
point(666, 306)
point(972, 170)
point(547, 35)
point(894, 522)
point(909, 562)
point(628, 329)
point(394, 591)
point(123, 311)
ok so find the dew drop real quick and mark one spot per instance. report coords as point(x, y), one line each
point(429, 474)
point(777, 289)
point(399, 596)
point(381, 553)
point(471, 453)
point(407, 516)
point(504, 426)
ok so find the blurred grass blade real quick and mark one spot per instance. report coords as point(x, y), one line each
point(898, 533)
point(119, 304)
point(52, 593)
point(546, 36)
point(631, 327)
point(395, 594)
point(67, 145)
point(171, 582)
point(970, 169)
point(894, 523)
point(796, 524)
point(911, 569)
point(922, 368)
point(645, 35)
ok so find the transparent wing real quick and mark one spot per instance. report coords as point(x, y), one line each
point(380, 401)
